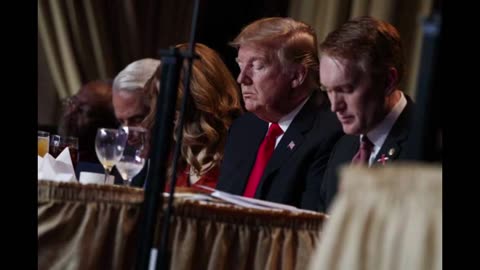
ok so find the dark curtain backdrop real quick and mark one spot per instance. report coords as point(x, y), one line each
point(95, 39)
point(220, 21)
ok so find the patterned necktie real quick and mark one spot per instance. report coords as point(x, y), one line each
point(263, 155)
point(364, 152)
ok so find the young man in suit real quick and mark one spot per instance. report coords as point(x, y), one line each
point(361, 65)
point(278, 150)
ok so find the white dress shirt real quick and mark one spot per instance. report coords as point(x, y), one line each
point(379, 134)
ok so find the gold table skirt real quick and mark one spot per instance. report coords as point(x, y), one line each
point(96, 227)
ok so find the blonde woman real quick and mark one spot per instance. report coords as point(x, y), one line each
point(214, 103)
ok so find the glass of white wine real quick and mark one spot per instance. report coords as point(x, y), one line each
point(133, 157)
point(109, 145)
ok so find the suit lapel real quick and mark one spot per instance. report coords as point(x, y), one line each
point(289, 143)
point(389, 151)
point(394, 144)
point(291, 140)
point(252, 139)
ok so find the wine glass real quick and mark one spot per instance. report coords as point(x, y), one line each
point(109, 145)
point(133, 157)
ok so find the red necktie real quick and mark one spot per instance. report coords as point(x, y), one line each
point(263, 155)
point(363, 154)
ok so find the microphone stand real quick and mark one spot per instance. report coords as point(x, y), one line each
point(171, 63)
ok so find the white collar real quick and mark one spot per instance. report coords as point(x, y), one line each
point(379, 134)
point(286, 120)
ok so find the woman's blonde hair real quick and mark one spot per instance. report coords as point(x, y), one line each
point(213, 104)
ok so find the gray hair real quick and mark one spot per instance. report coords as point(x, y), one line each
point(136, 75)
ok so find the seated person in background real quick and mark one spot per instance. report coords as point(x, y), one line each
point(213, 104)
point(361, 65)
point(83, 113)
point(86, 111)
point(135, 92)
point(288, 119)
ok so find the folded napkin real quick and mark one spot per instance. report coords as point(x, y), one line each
point(59, 169)
point(95, 178)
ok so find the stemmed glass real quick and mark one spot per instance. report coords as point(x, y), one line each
point(109, 145)
point(133, 157)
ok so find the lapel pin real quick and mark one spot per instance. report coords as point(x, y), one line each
point(391, 152)
point(383, 159)
point(291, 145)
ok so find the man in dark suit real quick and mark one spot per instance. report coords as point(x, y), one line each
point(135, 90)
point(278, 150)
point(361, 65)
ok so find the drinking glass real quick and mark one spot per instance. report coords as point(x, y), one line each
point(43, 141)
point(72, 144)
point(133, 157)
point(58, 143)
point(109, 145)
